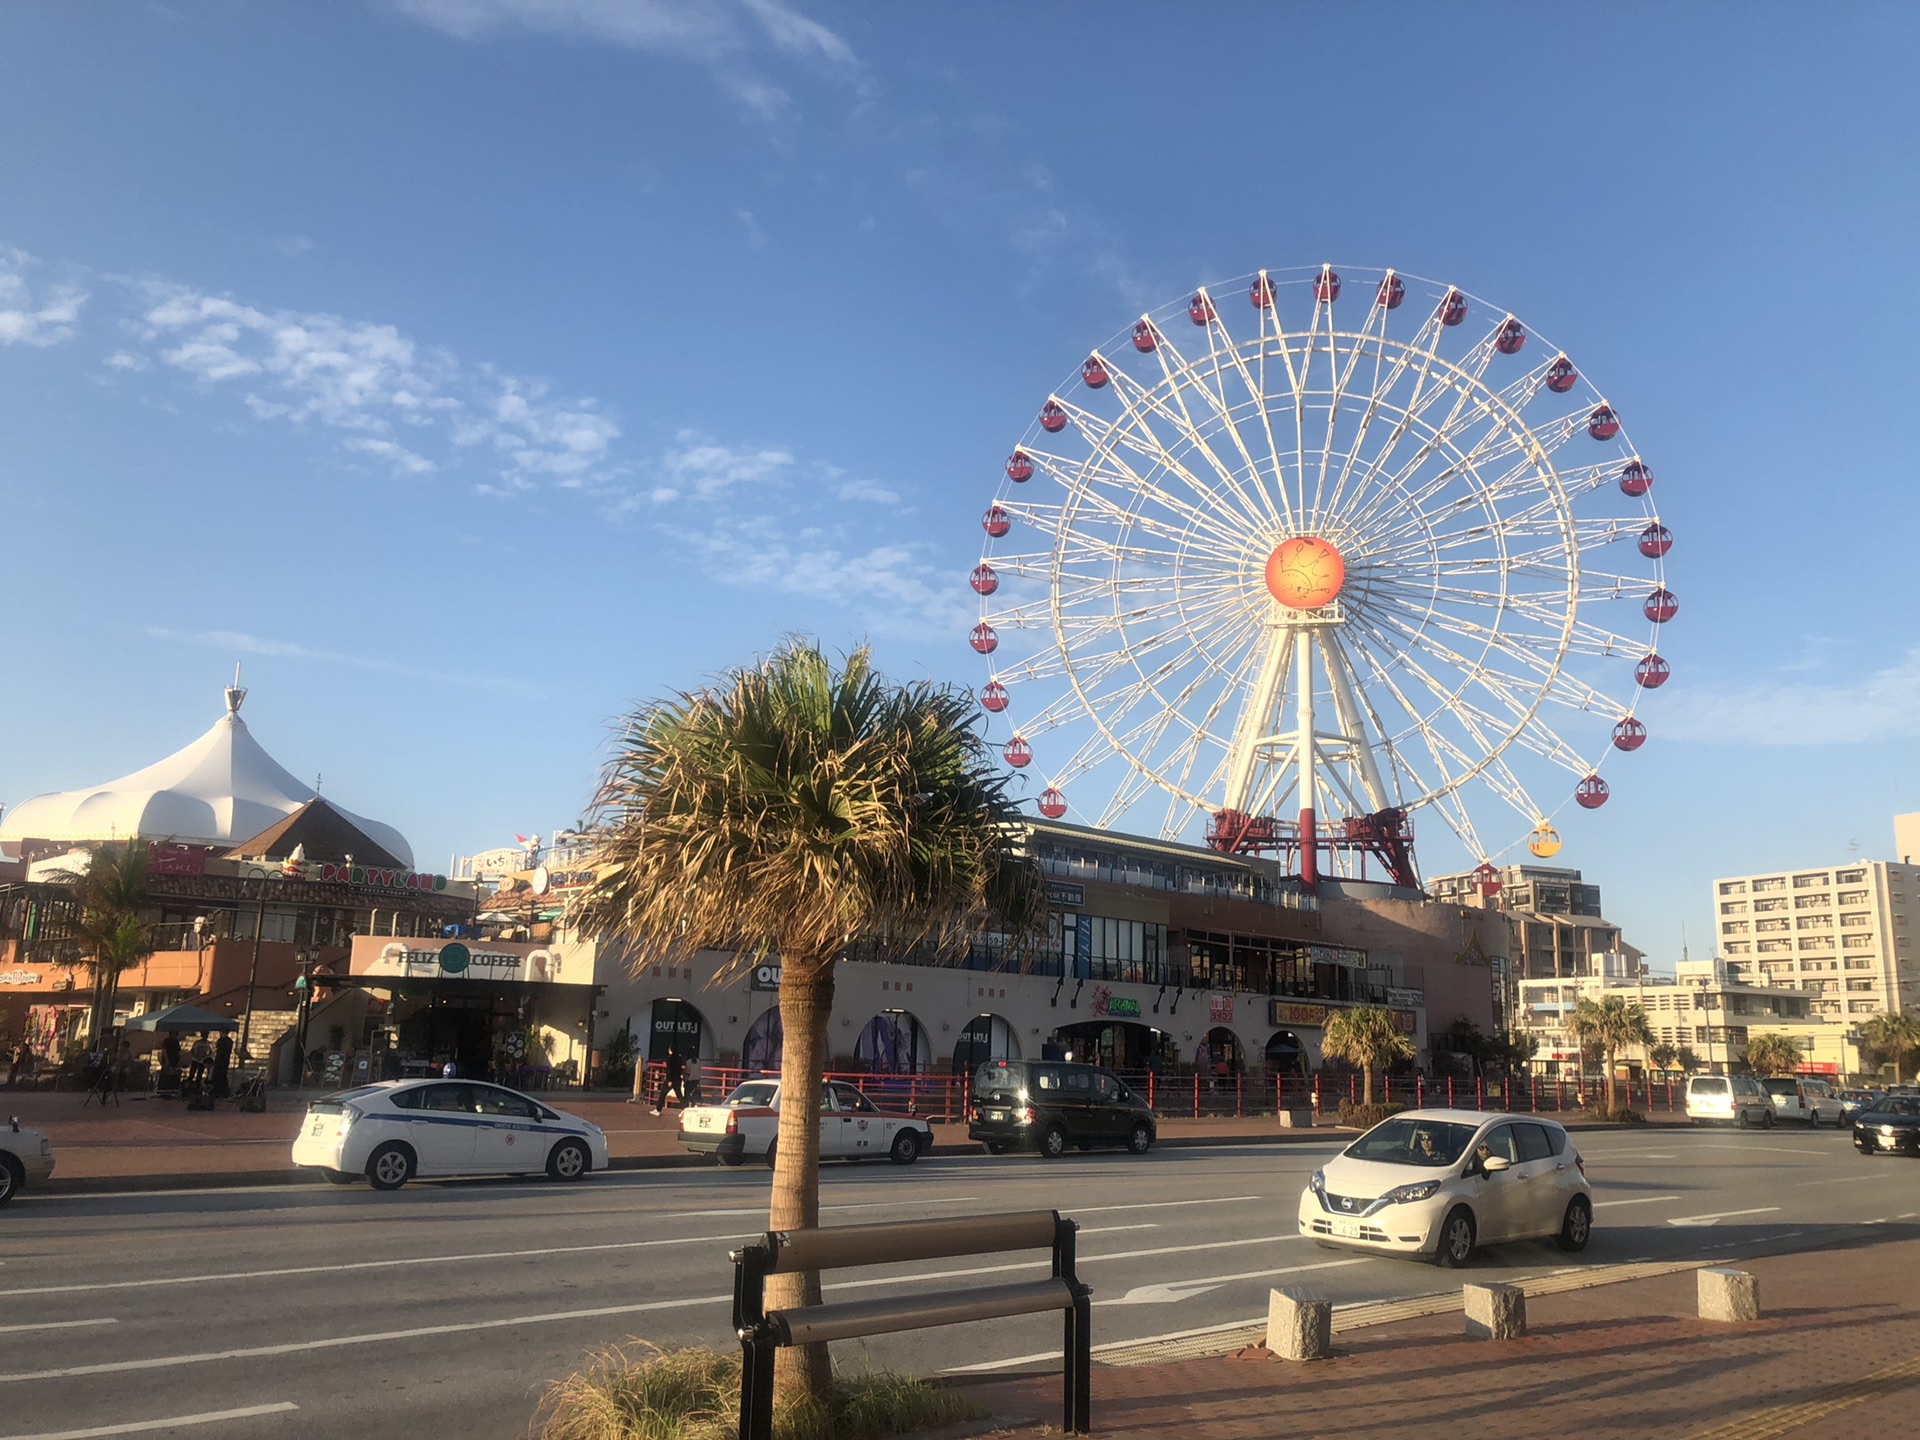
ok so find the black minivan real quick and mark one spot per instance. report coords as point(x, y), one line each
point(1048, 1105)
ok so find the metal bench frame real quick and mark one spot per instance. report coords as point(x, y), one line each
point(786, 1252)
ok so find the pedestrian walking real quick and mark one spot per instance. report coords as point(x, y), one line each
point(673, 1081)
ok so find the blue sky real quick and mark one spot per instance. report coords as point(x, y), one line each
point(653, 331)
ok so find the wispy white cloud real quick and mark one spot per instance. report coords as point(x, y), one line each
point(696, 465)
point(1879, 705)
point(869, 490)
point(35, 313)
point(756, 237)
point(238, 642)
point(726, 36)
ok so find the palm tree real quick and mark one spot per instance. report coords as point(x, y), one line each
point(1610, 1024)
point(789, 809)
point(109, 898)
point(1367, 1037)
point(1769, 1055)
point(1894, 1037)
point(1663, 1057)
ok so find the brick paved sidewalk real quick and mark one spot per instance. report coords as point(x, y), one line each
point(1837, 1352)
point(144, 1139)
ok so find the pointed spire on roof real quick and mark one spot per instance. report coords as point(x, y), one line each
point(236, 693)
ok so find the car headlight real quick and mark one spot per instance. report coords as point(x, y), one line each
point(1407, 1194)
point(1317, 1182)
point(1886, 1129)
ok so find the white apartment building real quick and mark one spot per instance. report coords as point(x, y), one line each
point(1707, 1008)
point(1844, 934)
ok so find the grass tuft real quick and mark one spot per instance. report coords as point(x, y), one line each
point(642, 1392)
point(1622, 1116)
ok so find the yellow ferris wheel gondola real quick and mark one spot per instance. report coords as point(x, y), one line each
point(1544, 843)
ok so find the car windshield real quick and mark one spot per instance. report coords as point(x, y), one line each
point(1709, 1085)
point(753, 1092)
point(1897, 1105)
point(996, 1079)
point(1780, 1087)
point(1427, 1143)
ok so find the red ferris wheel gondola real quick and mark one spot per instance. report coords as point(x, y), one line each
point(1652, 672)
point(1511, 337)
point(996, 522)
point(1603, 424)
point(1655, 541)
point(983, 580)
point(994, 697)
point(1486, 879)
point(1260, 292)
point(1636, 479)
point(1629, 734)
point(1326, 286)
point(1453, 309)
point(1018, 753)
point(1094, 373)
point(1392, 291)
point(1591, 793)
point(1019, 467)
point(983, 639)
point(1144, 340)
point(1053, 419)
point(1662, 605)
point(1052, 803)
point(1561, 376)
point(1200, 309)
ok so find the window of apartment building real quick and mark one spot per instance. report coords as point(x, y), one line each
point(1737, 947)
point(1857, 942)
point(1861, 985)
point(1853, 897)
point(1769, 947)
point(1863, 1007)
point(1855, 922)
point(1812, 902)
point(1733, 887)
point(1816, 942)
point(1808, 882)
point(1859, 963)
point(1771, 882)
point(1849, 877)
point(1733, 907)
point(1815, 922)
point(1771, 926)
point(1761, 907)
point(1735, 927)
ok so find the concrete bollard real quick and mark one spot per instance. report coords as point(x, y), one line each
point(1296, 1118)
point(1299, 1325)
point(1730, 1295)
point(1495, 1312)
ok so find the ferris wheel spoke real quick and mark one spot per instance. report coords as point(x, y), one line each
point(1423, 344)
point(1228, 529)
point(1141, 404)
point(1185, 376)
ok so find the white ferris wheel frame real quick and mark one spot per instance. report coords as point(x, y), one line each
point(1449, 645)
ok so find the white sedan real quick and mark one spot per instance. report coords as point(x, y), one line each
point(24, 1155)
point(400, 1129)
point(1441, 1182)
point(746, 1124)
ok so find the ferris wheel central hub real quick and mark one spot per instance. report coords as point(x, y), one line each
point(1305, 573)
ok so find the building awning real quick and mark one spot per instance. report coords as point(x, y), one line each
point(461, 987)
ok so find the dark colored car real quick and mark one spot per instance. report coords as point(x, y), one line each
point(1893, 1124)
point(1049, 1105)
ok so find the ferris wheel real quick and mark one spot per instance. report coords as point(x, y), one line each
point(1296, 567)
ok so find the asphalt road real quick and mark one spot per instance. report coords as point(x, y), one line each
point(445, 1308)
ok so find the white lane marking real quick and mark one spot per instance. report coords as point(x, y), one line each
point(55, 1325)
point(371, 1337)
point(1719, 1215)
point(1843, 1180)
point(1773, 1149)
point(1151, 1294)
point(1033, 1264)
point(1164, 1204)
point(1638, 1200)
point(373, 1264)
point(135, 1427)
point(861, 1205)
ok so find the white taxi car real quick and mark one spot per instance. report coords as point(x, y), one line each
point(24, 1155)
point(746, 1124)
point(399, 1129)
point(1440, 1183)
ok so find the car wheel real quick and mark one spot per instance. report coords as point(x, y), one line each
point(1766, 1121)
point(773, 1147)
point(1577, 1228)
point(340, 1177)
point(1741, 1120)
point(1141, 1139)
point(569, 1161)
point(390, 1167)
point(1053, 1144)
point(1456, 1239)
point(906, 1148)
point(728, 1160)
point(12, 1178)
point(996, 1147)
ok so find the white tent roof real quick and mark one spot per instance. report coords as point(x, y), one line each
point(220, 790)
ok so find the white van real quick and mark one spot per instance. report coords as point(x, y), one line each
point(1728, 1100)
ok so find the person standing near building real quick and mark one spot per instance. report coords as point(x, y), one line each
point(673, 1082)
point(200, 1057)
point(222, 1063)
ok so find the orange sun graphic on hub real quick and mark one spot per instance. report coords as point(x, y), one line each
point(1305, 573)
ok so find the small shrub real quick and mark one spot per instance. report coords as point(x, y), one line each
point(1622, 1116)
point(1365, 1117)
point(641, 1392)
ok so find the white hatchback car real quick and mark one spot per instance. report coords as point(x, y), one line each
point(746, 1125)
point(1440, 1183)
point(399, 1129)
point(24, 1155)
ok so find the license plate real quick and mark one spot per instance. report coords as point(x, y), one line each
point(1346, 1229)
point(317, 1126)
point(993, 1114)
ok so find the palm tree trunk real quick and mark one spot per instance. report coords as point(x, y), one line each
point(1366, 1084)
point(1612, 1096)
point(806, 1008)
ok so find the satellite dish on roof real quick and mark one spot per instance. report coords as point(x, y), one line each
point(541, 880)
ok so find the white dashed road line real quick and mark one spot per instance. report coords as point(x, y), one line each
point(55, 1325)
point(1722, 1215)
point(1637, 1200)
point(135, 1427)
